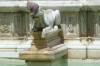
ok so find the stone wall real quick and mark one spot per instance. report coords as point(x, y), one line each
point(85, 23)
point(83, 15)
point(15, 22)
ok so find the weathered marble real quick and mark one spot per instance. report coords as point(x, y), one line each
point(76, 52)
point(93, 51)
point(46, 45)
point(44, 49)
point(80, 32)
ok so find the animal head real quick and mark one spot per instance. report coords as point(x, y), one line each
point(33, 7)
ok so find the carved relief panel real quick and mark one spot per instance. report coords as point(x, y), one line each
point(5, 24)
point(82, 24)
point(19, 24)
point(89, 24)
point(14, 24)
point(71, 23)
point(97, 24)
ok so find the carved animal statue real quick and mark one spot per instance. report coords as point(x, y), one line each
point(44, 18)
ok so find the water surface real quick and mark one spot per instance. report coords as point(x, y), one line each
point(12, 62)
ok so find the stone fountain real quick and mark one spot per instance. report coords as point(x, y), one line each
point(80, 22)
point(46, 48)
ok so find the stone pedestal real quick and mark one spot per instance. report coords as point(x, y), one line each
point(46, 51)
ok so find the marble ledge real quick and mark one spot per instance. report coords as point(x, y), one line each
point(15, 6)
point(51, 54)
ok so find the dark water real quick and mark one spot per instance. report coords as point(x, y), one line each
point(12, 62)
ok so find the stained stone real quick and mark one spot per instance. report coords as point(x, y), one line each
point(77, 43)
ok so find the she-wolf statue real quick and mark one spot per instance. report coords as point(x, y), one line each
point(44, 19)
